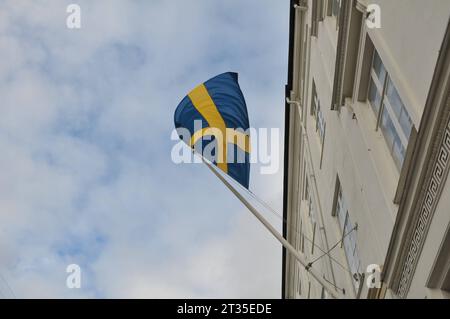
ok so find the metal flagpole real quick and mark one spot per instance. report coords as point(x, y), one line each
point(330, 289)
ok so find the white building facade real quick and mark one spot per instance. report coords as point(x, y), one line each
point(367, 148)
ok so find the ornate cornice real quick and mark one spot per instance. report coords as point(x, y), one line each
point(342, 44)
point(432, 161)
point(437, 176)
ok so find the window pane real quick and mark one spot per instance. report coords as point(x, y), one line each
point(379, 67)
point(336, 7)
point(321, 124)
point(314, 102)
point(348, 227)
point(398, 152)
point(392, 137)
point(341, 211)
point(357, 263)
point(349, 241)
point(351, 237)
point(306, 189)
point(405, 123)
point(394, 98)
point(399, 108)
point(314, 106)
point(348, 251)
point(374, 97)
point(387, 127)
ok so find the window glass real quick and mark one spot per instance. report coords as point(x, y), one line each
point(314, 106)
point(336, 7)
point(387, 127)
point(314, 101)
point(318, 115)
point(321, 125)
point(312, 213)
point(395, 128)
point(374, 97)
point(393, 140)
point(378, 67)
point(399, 108)
point(398, 152)
point(306, 189)
point(347, 241)
point(341, 211)
point(357, 262)
point(406, 123)
point(394, 98)
point(348, 234)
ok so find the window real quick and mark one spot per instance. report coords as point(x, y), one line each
point(311, 212)
point(335, 8)
point(306, 194)
point(315, 100)
point(348, 234)
point(310, 205)
point(298, 232)
point(309, 290)
point(313, 238)
point(303, 244)
point(312, 219)
point(392, 116)
point(318, 13)
point(315, 18)
point(329, 6)
point(299, 282)
point(301, 237)
point(322, 9)
point(335, 11)
point(320, 124)
point(440, 273)
point(316, 112)
point(323, 294)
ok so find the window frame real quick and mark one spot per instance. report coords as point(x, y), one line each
point(385, 108)
point(313, 238)
point(337, 14)
point(309, 289)
point(352, 259)
point(299, 282)
point(317, 114)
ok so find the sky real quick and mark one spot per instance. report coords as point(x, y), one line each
point(86, 175)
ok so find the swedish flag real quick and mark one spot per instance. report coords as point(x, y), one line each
point(216, 116)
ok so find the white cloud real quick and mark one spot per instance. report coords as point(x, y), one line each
point(85, 139)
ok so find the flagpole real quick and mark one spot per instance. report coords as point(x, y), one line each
point(330, 289)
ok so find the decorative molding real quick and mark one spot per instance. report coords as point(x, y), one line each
point(361, 6)
point(436, 125)
point(439, 276)
point(349, 38)
point(314, 19)
point(401, 186)
point(426, 176)
point(430, 199)
point(339, 70)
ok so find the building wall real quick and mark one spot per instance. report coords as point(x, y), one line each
point(430, 251)
point(409, 41)
point(353, 151)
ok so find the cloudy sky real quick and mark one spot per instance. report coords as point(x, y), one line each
point(86, 174)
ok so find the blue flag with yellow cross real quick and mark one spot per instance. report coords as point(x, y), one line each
point(215, 115)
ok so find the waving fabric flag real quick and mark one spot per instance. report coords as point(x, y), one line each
point(215, 114)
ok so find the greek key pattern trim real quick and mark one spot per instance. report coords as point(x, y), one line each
point(427, 208)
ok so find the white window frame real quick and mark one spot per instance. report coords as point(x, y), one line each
point(385, 105)
point(348, 242)
point(316, 112)
point(338, 13)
